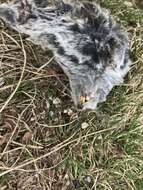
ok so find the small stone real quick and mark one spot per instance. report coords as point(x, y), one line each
point(51, 113)
point(70, 112)
point(56, 101)
point(84, 125)
point(27, 137)
point(66, 177)
point(88, 179)
point(32, 119)
point(65, 111)
point(99, 137)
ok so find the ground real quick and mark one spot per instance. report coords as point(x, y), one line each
point(45, 143)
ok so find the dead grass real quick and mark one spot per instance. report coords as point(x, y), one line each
point(45, 144)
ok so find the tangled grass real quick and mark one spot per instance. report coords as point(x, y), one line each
point(45, 143)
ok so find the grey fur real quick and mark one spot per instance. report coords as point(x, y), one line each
point(89, 46)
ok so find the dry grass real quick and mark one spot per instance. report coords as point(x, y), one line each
point(45, 144)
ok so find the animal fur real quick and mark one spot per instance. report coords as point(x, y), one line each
point(89, 46)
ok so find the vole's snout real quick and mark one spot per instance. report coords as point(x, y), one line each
point(83, 100)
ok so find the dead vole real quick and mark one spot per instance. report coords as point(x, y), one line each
point(89, 46)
